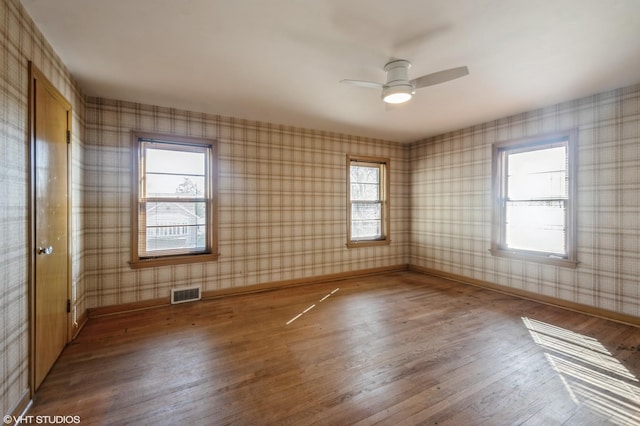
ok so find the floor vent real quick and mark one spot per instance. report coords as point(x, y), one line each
point(185, 294)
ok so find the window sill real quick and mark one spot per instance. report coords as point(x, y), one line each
point(368, 243)
point(544, 259)
point(171, 260)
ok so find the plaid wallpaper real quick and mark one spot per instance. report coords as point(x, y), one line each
point(451, 202)
point(21, 42)
point(282, 203)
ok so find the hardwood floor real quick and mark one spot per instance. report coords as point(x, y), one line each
point(400, 348)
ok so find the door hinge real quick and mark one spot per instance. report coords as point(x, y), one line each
point(68, 305)
point(68, 136)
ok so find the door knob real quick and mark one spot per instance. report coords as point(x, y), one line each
point(45, 250)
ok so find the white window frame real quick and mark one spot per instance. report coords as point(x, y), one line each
point(140, 257)
point(384, 166)
point(498, 244)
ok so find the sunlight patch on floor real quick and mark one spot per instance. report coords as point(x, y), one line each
point(592, 376)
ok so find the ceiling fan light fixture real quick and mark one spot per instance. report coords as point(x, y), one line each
point(399, 89)
point(397, 94)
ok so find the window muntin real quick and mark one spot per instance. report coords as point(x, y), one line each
point(175, 200)
point(367, 201)
point(533, 214)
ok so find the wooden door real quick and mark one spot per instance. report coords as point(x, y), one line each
point(50, 127)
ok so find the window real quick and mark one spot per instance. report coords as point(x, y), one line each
point(367, 201)
point(174, 200)
point(534, 213)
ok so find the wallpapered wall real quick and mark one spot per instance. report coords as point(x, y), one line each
point(21, 42)
point(451, 202)
point(282, 200)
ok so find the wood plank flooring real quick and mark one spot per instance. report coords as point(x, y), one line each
point(399, 348)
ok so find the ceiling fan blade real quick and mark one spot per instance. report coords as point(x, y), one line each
point(368, 84)
point(439, 77)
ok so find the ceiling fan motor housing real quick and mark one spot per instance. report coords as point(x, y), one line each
point(398, 88)
point(397, 72)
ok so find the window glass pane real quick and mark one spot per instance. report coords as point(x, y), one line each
point(366, 211)
point(366, 230)
point(170, 161)
point(174, 186)
point(365, 174)
point(365, 192)
point(172, 226)
point(365, 183)
point(536, 226)
point(366, 221)
point(537, 174)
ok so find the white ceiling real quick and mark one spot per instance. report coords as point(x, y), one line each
point(281, 60)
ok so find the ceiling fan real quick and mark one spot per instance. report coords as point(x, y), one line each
point(399, 88)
